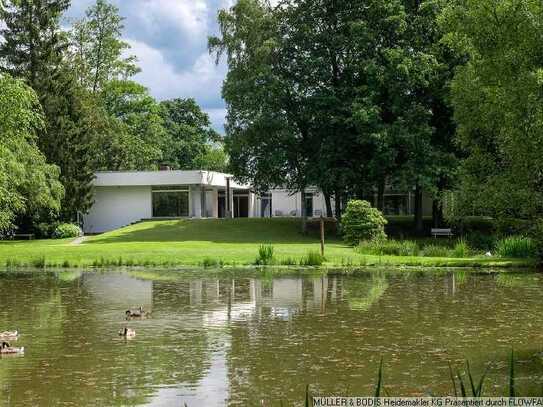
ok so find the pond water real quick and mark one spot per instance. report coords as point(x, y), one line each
point(235, 341)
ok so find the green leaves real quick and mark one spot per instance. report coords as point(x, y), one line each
point(27, 183)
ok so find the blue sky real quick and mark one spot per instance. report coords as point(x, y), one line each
point(169, 38)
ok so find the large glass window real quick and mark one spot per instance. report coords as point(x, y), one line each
point(170, 201)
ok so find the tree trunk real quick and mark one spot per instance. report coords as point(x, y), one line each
point(328, 202)
point(381, 195)
point(437, 213)
point(337, 196)
point(419, 225)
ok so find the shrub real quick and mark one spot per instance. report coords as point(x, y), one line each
point(312, 258)
point(480, 241)
point(517, 246)
point(433, 250)
point(474, 224)
point(362, 222)
point(288, 261)
point(65, 230)
point(265, 255)
point(45, 230)
point(461, 249)
point(384, 247)
point(211, 262)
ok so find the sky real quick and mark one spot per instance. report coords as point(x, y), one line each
point(169, 38)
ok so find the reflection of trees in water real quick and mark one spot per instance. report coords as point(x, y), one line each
point(282, 333)
point(363, 293)
point(418, 324)
point(76, 356)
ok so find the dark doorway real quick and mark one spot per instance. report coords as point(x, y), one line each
point(222, 206)
point(241, 206)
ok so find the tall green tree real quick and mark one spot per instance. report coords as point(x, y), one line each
point(191, 142)
point(97, 50)
point(333, 94)
point(132, 132)
point(28, 185)
point(33, 48)
point(498, 106)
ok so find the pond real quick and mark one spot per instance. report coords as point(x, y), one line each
point(238, 339)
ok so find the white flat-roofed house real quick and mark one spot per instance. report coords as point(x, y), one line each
point(125, 197)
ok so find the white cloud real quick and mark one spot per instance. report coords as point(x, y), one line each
point(188, 16)
point(201, 81)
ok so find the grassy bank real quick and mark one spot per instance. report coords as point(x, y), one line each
point(233, 242)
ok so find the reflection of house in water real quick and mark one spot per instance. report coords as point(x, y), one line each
point(227, 300)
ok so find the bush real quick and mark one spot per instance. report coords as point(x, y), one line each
point(480, 241)
point(433, 250)
point(65, 230)
point(402, 226)
point(312, 258)
point(265, 255)
point(474, 224)
point(212, 262)
point(461, 249)
point(384, 247)
point(517, 247)
point(362, 222)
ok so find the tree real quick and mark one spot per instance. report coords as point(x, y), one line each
point(498, 106)
point(33, 48)
point(28, 185)
point(133, 132)
point(97, 49)
point(191, 143)
point(328, 93)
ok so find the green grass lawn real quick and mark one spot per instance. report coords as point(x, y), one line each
point(190, 242)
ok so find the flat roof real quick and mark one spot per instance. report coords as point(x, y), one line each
point(165, 177)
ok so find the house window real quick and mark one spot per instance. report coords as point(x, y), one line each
point(170, 201)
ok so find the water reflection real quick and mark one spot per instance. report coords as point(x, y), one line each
point(237, 341)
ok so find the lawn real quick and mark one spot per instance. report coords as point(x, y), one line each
point(191, 242)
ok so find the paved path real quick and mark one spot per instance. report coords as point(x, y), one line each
point(78, 240)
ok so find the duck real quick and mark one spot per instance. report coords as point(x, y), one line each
point(9, 334)
point(6, 348)
point(136, 313)
point(127, 332)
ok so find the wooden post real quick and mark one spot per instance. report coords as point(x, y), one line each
point(322, 236)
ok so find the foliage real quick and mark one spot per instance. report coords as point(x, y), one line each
point(212, 262)
point(65, 230)
point(348, 107)
point(362, 222)
point(386, 247)
point(312, 258)
point(517, 247)
point(28, 185)
point(497, 99)
point(139, 126)
point(434, 250)
point(265, 255)
point(480, 241)
point(34, 49)
point(191, 142)
point(461, 249)
point(96, 50)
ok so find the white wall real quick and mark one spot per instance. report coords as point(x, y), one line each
point(285, 202)
point(115, 207)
